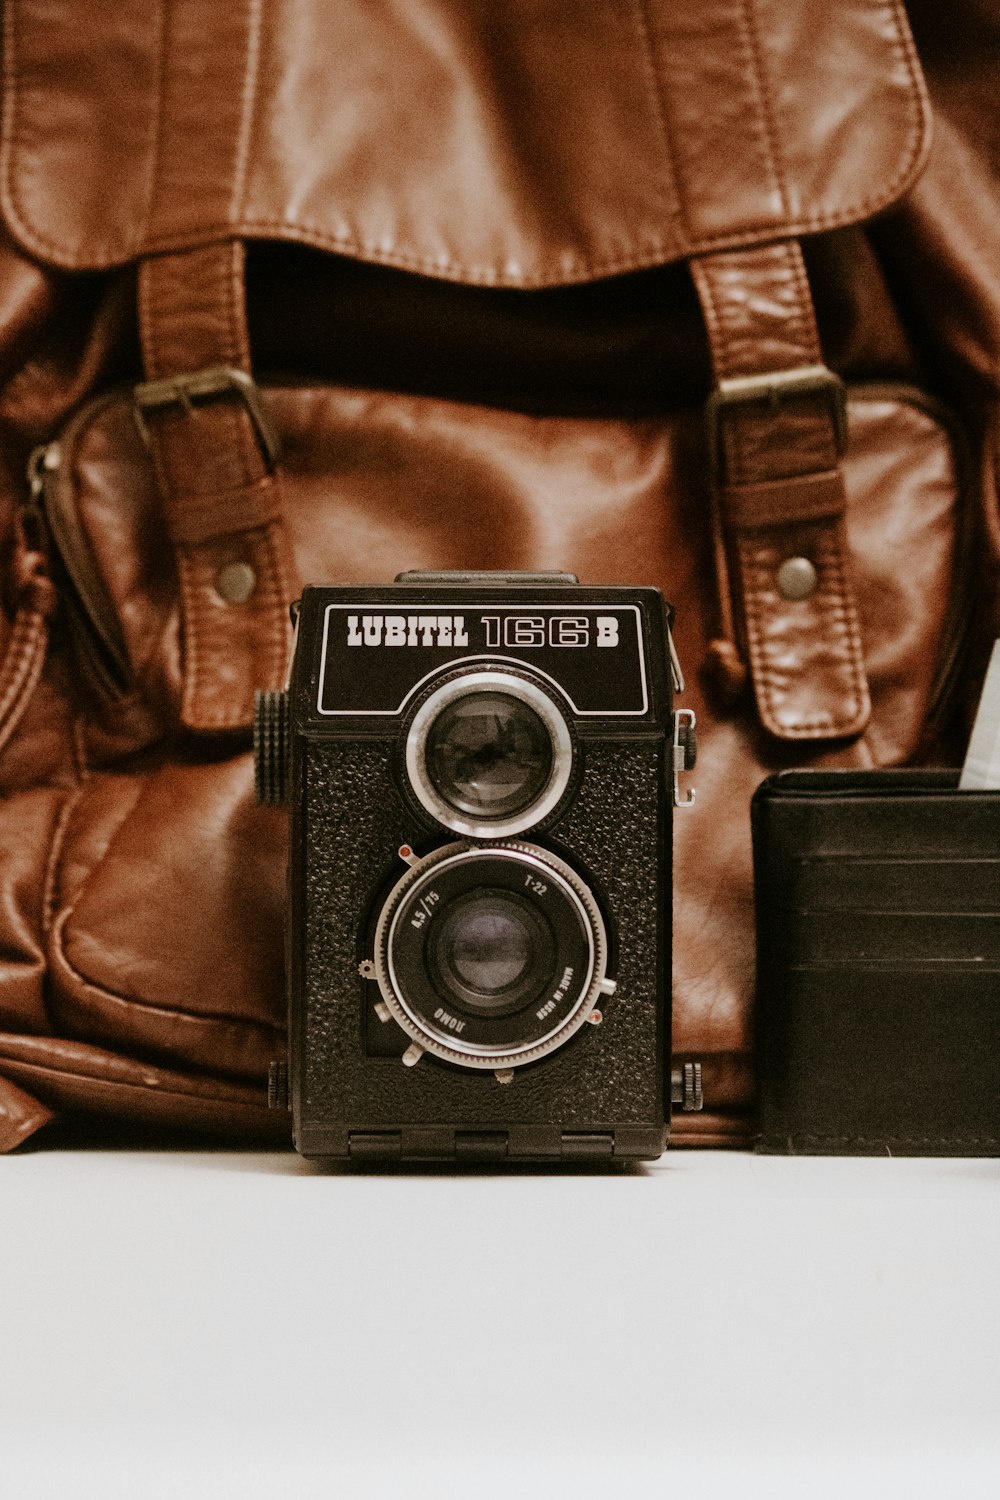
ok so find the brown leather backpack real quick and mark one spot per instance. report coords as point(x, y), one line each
point(293, 292)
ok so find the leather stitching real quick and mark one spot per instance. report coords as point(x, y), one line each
point(721, 351)
point(780, 268)
point(836, 613)
point(15, 212)
point(225, 331)
point(807, 331)
point(49, 901)
point(722, 354)
point(145, 272)
point(829, 599)
point(278, 588)
point(187, 578)
point(57, 916)
point(832, 608)
point(24, 659)
point(655, 86)
point(844, 614)
point(269, 602)
point(718, 347)
point(660, 251)
point(234, 301)
point(248, 100)
point(158, 127)
point(232, 268)
point(218, 1095)
point(764, 119)
point(208, 1020)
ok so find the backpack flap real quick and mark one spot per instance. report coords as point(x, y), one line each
point(495, 143)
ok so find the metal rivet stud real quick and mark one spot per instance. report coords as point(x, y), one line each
point(236, 582)
point(797, 578)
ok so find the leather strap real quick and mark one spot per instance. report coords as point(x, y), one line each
point(220, 491)
point(777, 431)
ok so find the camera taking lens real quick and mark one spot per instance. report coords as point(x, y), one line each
point(491, 956)
point(491, 952)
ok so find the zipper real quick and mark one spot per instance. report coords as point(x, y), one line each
point(87, 605)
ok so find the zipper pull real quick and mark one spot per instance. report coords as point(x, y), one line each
point(44, 460)
point(34, 604)
point(50, 529)
point(32, 522)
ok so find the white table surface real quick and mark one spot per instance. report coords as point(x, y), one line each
point(220, 1325)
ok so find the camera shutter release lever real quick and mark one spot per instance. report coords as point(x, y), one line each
point(366, 969)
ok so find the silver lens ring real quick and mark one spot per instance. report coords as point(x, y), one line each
point(448, 697)
point(566, 997)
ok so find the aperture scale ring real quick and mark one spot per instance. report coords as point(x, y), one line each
point(572, 886)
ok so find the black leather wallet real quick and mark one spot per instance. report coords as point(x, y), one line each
point(878, 964)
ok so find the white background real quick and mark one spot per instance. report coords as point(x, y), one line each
point(216, 1325)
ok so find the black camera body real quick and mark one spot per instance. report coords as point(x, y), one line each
point(480, 771)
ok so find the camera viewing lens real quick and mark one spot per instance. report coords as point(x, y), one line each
point(489, 754)
point(491, 952)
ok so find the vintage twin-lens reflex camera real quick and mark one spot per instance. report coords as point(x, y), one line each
point(480, 770)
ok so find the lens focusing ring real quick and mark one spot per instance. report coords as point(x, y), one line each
point(539, 713)
point(494, 1035)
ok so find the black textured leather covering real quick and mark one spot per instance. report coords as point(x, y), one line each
point(878, 966)
point(604, 1090)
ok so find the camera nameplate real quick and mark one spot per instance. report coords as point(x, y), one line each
point(592, 654)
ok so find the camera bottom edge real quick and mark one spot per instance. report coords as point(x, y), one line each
point(521, 1143)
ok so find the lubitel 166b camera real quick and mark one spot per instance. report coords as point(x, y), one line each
point(480, 770)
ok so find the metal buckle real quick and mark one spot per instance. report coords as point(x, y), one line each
point(771, 389)
point(200, 385)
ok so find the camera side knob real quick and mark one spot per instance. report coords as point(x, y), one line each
point(685, 754)
point(270, 748)
point(687, 740)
